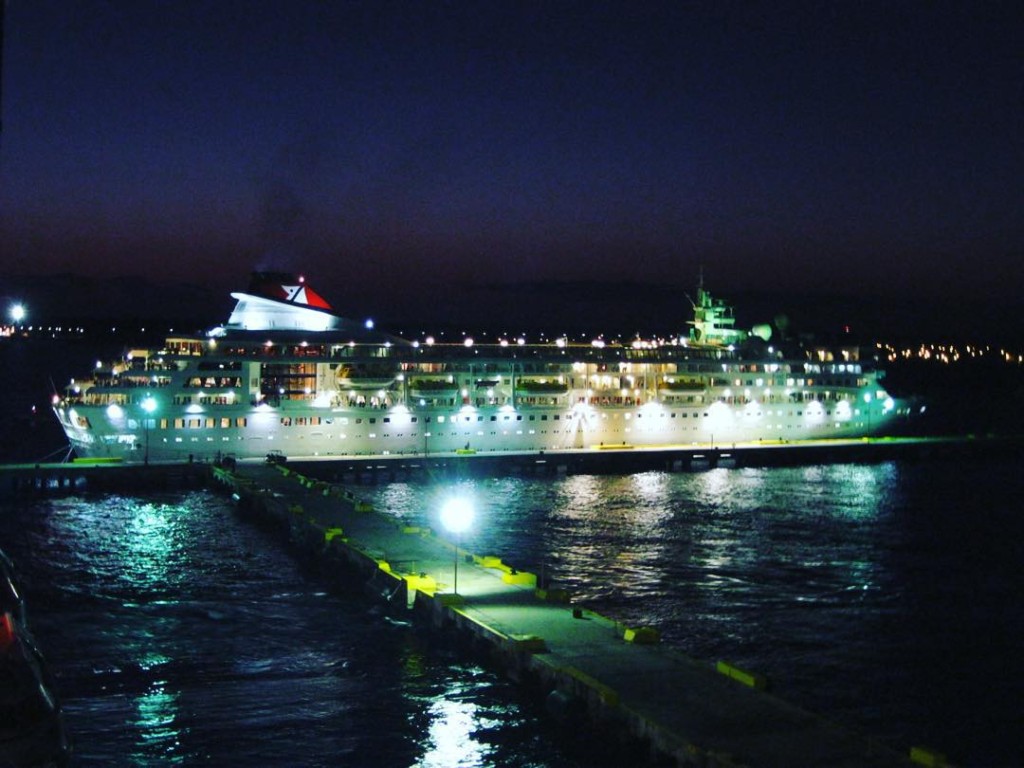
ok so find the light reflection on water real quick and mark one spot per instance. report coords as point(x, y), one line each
point(450, 739)
point(183, 636)
point(822, 577)
point(180, 635)
point(157, 726)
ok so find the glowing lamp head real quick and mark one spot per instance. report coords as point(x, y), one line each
point(457, 515)
point(17, 312)
point(148, 404)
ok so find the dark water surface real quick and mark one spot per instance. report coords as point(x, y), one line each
point(887, 597)
point(180, 635)
point(884, 596)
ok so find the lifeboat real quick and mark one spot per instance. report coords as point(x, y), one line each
point(541, 387)
point(359, 377)
point(433, 388)
point(683, 385)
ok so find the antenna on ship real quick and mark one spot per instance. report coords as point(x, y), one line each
point(700, 287)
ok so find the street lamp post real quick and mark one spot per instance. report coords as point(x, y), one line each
point(148, 405)
point(457, 516)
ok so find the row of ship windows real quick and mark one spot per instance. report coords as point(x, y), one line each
point(242, 421)
point(478, 433)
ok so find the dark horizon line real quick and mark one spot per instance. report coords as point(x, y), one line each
point(561, 305)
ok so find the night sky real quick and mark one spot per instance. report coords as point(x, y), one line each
point(424, 154)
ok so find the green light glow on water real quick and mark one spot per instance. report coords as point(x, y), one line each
point(185, 637)
point(152, 660)
point(157, 732)
point(151, 544)
point(142, 545)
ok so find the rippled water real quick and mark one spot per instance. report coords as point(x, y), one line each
point(884, 596)
point(180, 635)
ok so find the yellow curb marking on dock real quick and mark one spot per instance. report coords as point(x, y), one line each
point(331, 533)
point(490, 561)
point(759, 682)
point(421, 583)
point(642, 636)
point(522, 578)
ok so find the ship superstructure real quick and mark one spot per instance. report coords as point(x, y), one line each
point(287, 374)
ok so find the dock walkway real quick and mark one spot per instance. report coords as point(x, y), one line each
point(587, 666)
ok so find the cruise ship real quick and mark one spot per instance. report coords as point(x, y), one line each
point(288, 377)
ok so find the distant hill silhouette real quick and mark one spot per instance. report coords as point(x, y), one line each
point(584, 306)
point(64, 297)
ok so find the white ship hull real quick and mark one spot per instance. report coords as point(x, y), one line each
point(362, 432)
point(308, 385)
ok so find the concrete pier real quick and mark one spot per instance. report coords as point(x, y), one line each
point(586, 667)
point(627, 458)
point(97, 477)
point(106, 475)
